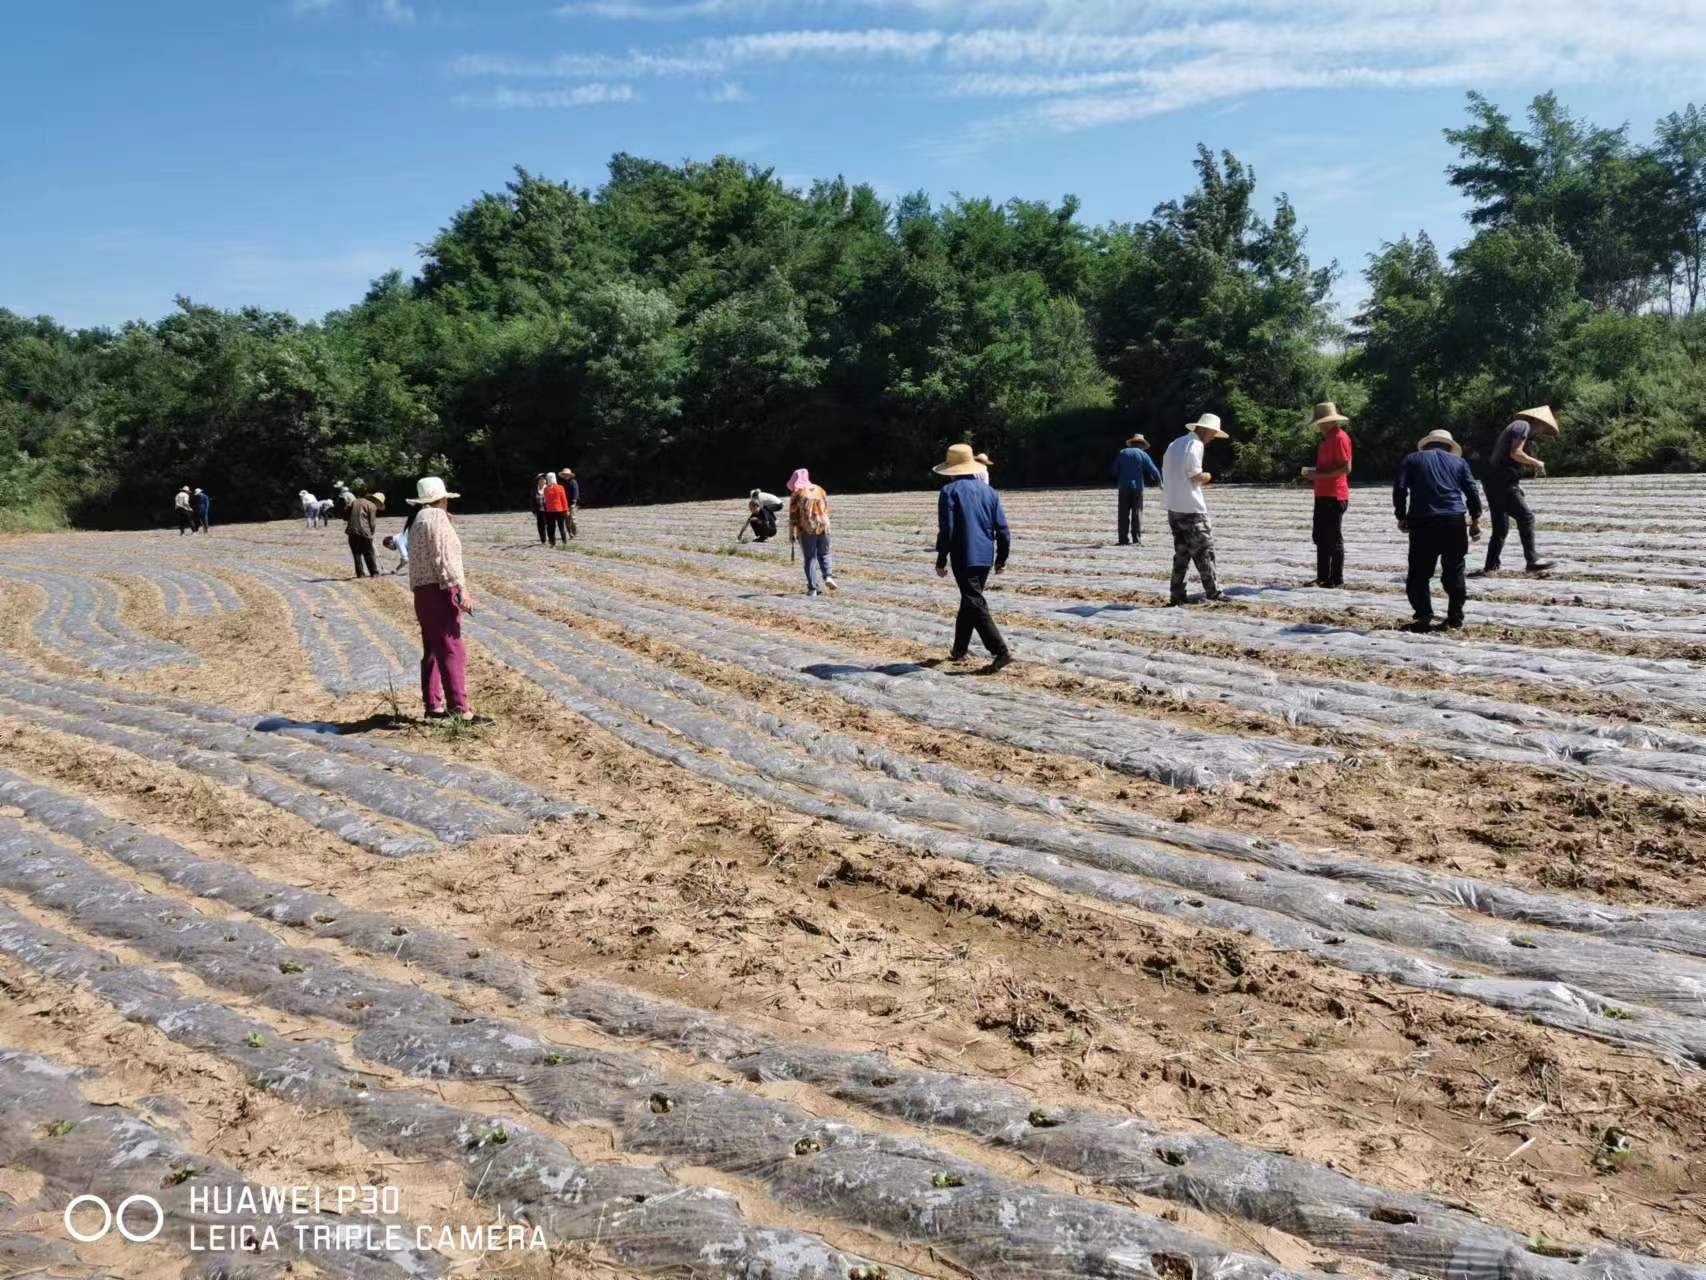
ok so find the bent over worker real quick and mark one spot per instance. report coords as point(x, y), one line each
point(972, 537)
point(1430, 496)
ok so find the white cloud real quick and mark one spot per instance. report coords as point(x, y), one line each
point(788, 46)
point(398, 11)
point(727, 92)
point(588, 66)
point(586, 95)
point(302, 7)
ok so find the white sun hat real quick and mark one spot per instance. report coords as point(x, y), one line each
point(1209, 422)
point(429, 490)
point(1440, 436)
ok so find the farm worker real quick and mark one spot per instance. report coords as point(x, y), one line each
point(539, 517)
point(1133, 469)
point(1331, 475)
point(326, 508)
point(971, 536)
point(1182, 482)
point(1504, 484)
point(808, 524)
point(441, 598)
point(310, 507)
point(983, 466)
point(362, 524)
point(761, 509)
point(202, 504)
point(556, 509)
point(573, 487)
point(181, 505)
point(1433, 490)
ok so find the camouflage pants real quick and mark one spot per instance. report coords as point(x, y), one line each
point(1193, 540)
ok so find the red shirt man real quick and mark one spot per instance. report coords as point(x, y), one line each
point(1333, 454)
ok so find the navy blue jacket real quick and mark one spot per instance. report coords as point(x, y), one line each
point(1434, 482)
point(971, 527)
point(574, 492)
point(1134, 469)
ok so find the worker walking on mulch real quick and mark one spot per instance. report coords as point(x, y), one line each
point(1505, 501)
point(572, 487)
point(1182, 483)
point(556, 509)
point(1433, 491)
point(362, 524)
point(1134, 470)
point(1331, 476)
point(539, 516)
point(441, 594)
point(186, 515)
point(972, 538)
point(808, 524)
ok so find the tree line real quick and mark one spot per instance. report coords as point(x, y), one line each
point(697, 329)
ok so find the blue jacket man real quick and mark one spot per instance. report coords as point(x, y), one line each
point(1133, 470)
point(1433, 491)
point(972, 537)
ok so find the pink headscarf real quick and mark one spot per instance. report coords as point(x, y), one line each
point(799, 480)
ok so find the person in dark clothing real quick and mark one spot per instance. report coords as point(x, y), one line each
point(972, 537)
point(1430, 496)
point(1505, 500)
point(362, 524)
point(203, 505)
point(572, 487)
point(1331, 477)
point(539, 514)
point(1134, 469)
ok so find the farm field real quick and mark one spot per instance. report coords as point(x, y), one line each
point(755, 938)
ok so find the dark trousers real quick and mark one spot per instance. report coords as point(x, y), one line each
point(539, 519)
point(186, 522)
point(361, 551)
point(1437, 540)
point(1131, 515)
point(974, 613)
point(1506, 503)
point(569, 523)
point(1328, 530)
point(557, 525)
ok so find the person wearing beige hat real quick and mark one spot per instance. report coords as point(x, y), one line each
point(1134, 470)
point(971, 537)
point(1433, 492)
point(440, 588)
point(1331, 478)
point(1505, 500)
point(984, 463)
point(362, 524)
point(1182, 483)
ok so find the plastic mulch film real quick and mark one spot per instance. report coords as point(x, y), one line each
point(1466, 726)
point(350, 650)
point(80, 1148)
point(901, 1187)
point(609, 698)
point(1218, 1176)
point(639, 1214)
point(411, 787)
point(81, 621)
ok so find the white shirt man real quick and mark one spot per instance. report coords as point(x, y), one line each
point(1182, 481)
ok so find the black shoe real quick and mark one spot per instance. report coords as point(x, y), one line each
point(1000, 661)
point(957, 657)
point(469, 718)
point(437, 715)
point(1454, 624)
point(1122, 543)
point(1216, 596)
point(1179, 603)
point(1420, 626)
point(1539, 566)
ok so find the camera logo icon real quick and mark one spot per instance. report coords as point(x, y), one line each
point(124, 1218)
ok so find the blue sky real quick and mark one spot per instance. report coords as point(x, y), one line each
point(284, 152)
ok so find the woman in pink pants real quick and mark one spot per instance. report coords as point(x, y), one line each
point(441, 598)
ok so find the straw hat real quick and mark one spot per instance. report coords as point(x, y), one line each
point(1327, 412)
point(429, 490)
point(1440, 437)
point(378, 499)
point(1141, 442)
point(982, 460)
point(959, 462)
point(1541, 417)
point(1209, 422)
